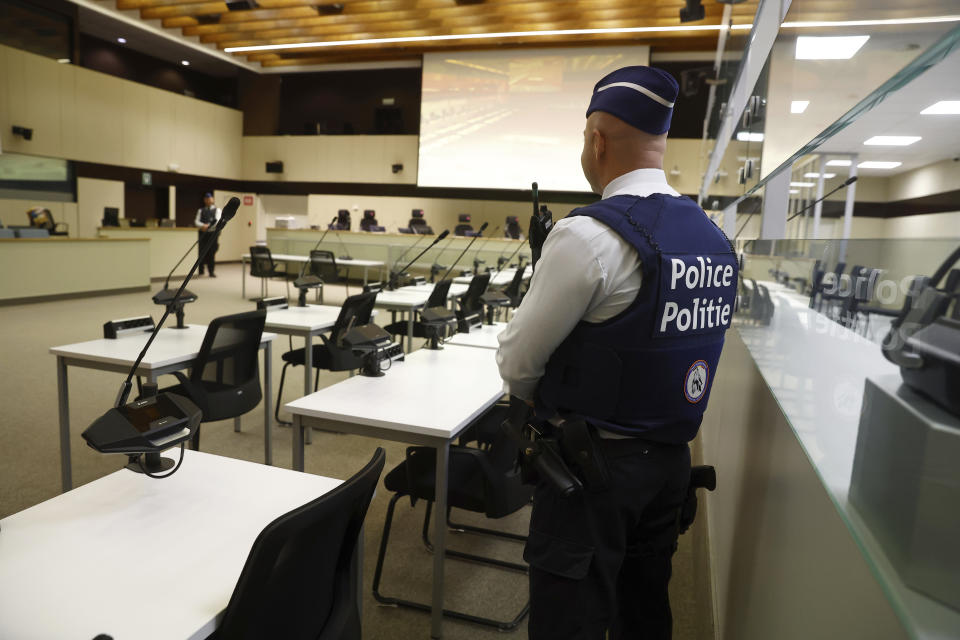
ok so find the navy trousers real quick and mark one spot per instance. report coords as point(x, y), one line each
point(600, 562)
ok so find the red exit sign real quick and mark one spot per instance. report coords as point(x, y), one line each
point(247, 201)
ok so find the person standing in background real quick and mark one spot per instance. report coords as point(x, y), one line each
point(207, 217)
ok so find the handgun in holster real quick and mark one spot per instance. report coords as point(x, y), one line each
point(701, 477)
point(560, 452)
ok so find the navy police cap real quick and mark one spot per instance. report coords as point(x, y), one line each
point(643, 97)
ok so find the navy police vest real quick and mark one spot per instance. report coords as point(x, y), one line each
point(208, 215)
point(647, 371)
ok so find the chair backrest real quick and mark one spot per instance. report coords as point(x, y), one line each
point(261, 262)
point(416, 218)
point(369, 219)
point(323, 264)
point(513, 289)
point(355, 312)
point(438, 297)
point(298, 581)
point(512, 228)
point(470, 301)
point(343, 219)
point(227, 368)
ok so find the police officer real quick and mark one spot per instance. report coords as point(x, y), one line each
point(207, 217)
point(622, 327)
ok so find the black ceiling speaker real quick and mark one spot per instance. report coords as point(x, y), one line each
point(275, 167)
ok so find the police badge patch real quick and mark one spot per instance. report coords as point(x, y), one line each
point(695, 382)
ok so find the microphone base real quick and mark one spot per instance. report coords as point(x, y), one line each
point(153, 462)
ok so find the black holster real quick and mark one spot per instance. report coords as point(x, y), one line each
point(561, 452)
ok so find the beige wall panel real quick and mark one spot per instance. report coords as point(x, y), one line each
point(184, 136)
point(69, 116)
point(92, 196)
point(99, 110)
point(933, 178)
point(159, 130)
point(331, 158)
point(240, 233)
point(4, 97)
point(93, 266)
point(42, 104)
point(931, 225)
point(869, 188)
point(135, 123)
point(784, 564)
point(14, 87)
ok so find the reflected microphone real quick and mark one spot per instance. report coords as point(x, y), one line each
point(476, 261)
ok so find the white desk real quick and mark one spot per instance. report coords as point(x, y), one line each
point(426, 400)
point(287, 257)
point(484, 337)
point(499, 279)
point(173, 350)
point(134, 557)
point(409, 299)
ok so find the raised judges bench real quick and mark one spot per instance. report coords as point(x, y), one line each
point(40, 268)
point(390, 247)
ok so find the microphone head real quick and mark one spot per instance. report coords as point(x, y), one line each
point(229, 210)
point(850, 181)
point(443, 235)
point(484, 226)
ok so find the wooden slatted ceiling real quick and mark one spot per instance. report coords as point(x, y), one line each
point(300, 21)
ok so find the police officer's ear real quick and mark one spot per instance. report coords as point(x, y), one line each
point(598, 143)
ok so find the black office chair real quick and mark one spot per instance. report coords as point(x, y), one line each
point(224, 379)
point(332, 355)
point(470, 306)
point(464, 228)
point(323, 264)
point(369, 221)
point(482, 481)
point(438, 298)
point(299, 581)
point(509, 298)
point(262, 266)
point(418, 223)
point(342, 221)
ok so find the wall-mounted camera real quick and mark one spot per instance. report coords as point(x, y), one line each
point(396, 168)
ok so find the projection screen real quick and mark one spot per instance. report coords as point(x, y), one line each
point(504, 119)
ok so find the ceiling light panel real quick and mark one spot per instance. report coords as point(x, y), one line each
point(829, 47)
point(826, 176)
point(942, 108)
point(799, 106)
point(746, 136)
point(891, 141)
point(878, 164)
point(803, 184)
point(839, 163)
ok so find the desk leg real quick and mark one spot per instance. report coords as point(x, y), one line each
point(410, 315)
point(308, 374)
point(365, 269)
point(268, 404)
point(236, 425)
point(297, 435)
point(439, 539)
point(66, 473)
point(243, 278)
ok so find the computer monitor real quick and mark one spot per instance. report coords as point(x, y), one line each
point(111, 217)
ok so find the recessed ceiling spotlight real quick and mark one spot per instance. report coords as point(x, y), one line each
point(746, 136)
point(122, 40)
point(942, 108)
point(839, 163)
point(891, 141)
point(814, 174)
point(799, 106)
point(185, 63)
point(803, 184)
point(829, 47)
point(878, 164)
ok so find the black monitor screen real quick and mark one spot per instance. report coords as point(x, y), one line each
point(111, 217)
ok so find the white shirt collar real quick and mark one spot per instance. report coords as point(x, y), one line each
point(639, 182)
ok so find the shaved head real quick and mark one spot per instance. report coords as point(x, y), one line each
point(611, 148)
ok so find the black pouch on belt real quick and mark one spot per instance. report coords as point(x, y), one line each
point(581, 451)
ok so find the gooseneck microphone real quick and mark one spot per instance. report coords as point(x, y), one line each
point(346, 254)
point(392, 284)
point(476, 256)
point(465, 249)
point(393, 267)
point(509, 258)
point(145, 427)
point(436, 267)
